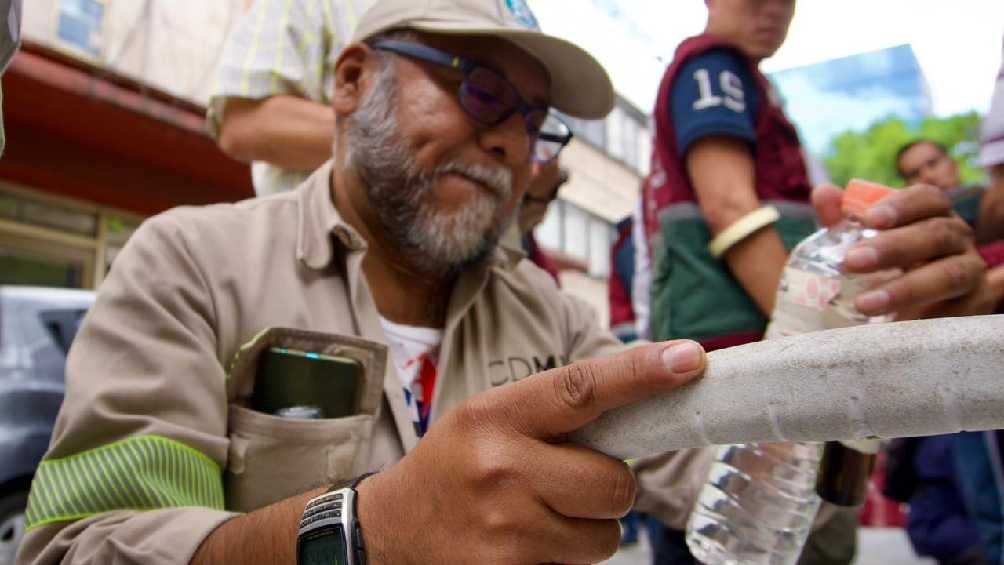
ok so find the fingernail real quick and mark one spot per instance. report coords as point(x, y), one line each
point(863, 257)
point(874, 301)
point(881, 216)
point(682, 357)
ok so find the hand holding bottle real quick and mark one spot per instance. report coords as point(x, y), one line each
point(920, 235)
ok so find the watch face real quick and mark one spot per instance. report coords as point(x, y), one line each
point(324, 548)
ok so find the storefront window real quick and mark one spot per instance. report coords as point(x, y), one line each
point(27, 261)
point(46, 241)
point(117, 232)
point(48, 215)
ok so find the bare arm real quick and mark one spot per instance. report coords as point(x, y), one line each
point(721, 172)
point(266, 536)
point(287, 131)
point(991, 223)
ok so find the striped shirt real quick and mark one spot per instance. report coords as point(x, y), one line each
point(283, 47)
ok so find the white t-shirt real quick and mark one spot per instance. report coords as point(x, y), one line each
point(415, 353)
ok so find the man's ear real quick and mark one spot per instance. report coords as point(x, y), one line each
point(354, 72)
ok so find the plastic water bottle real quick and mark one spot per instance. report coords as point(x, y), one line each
point(760, 500)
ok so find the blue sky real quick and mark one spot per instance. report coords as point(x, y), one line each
point(958, 42)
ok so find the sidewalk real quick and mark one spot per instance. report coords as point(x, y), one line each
point(877, 546)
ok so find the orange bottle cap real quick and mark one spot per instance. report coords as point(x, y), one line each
point(862, 194)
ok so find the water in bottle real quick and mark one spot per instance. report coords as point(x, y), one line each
point(760, 500)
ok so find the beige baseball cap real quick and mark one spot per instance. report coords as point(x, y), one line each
point(580, 86)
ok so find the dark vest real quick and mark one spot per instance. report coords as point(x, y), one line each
point(694, 295)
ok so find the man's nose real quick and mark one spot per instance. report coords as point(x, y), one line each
point(508, 141)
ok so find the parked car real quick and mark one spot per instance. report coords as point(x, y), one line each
point(37, 326)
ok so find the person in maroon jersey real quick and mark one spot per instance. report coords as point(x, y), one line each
point(725, 153)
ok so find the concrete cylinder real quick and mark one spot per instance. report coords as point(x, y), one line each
point(885, 380)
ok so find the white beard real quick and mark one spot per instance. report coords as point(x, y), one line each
point(401, 194)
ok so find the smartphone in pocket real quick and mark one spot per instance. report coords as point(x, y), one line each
point(303, 384)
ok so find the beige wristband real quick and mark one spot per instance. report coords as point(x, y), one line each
point(743, 228)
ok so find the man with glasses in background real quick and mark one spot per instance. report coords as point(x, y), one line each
point(547, 179)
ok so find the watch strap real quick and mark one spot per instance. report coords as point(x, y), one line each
point(356, 541)
point(336, 505)
point(350, 483)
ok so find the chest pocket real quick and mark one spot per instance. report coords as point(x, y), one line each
point(270, 457)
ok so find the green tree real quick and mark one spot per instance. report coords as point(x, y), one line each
point(871, 154)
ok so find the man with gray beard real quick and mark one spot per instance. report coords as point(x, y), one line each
point(399, 190)
point(385, 259)
point(192, 431)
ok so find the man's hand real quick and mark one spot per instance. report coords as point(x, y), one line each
point(494, 482)
point(943, 273)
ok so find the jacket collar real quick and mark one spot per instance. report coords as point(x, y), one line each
point(320, 220)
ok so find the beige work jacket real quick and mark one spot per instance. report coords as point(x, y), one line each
point(159, 357)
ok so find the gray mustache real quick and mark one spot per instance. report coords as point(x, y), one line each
point(499, 179)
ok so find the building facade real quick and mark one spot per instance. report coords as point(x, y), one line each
point(607, 160)
point(104, 107)
point(850, 93)
point(104, 128)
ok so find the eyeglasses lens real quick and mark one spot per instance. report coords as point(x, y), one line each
point(487, 96)
point(550, 139)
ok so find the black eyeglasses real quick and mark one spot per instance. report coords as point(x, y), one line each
point(488, 98)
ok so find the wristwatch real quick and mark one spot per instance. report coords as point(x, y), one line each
point(329, 531)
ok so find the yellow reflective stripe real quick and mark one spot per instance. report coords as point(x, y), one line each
point(138, 473)
point(102, 487)
point(158, 454)
point(243, 350)
point(120, 472)
point(63, 496)
point(46, 501)
point(135, 461)
point(74, 483)
point(105, 474)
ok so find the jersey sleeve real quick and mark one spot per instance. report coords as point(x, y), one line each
point(714, 94)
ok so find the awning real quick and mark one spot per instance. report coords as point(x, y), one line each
point(86, 133)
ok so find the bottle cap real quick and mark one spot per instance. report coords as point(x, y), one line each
point(861, 194)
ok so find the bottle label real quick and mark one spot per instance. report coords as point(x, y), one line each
point(810, 302)
point(809, 289)
point(803, 301)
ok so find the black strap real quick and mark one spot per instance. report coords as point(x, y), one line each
point(357, 543)
point(350, 483)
